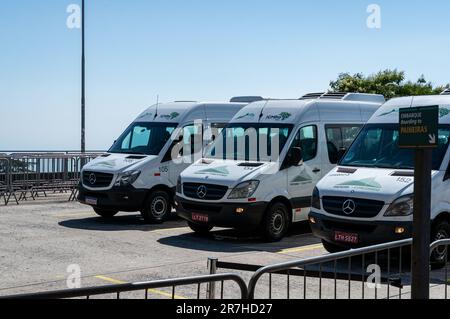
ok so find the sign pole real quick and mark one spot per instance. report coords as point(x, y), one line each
point(83, 99)
point(420, 268)
point(419, 131)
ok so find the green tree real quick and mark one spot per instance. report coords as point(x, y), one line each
point(390, 83)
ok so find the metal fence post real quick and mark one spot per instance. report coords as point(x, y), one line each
point(211, 288)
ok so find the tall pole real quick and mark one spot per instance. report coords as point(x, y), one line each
point(83, 99)
point(421, 226)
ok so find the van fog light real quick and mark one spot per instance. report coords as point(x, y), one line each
point(240, 210)
point(400, 230)
point(312, 220)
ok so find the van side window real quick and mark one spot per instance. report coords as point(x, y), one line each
point(306, 138)
point(339, 137)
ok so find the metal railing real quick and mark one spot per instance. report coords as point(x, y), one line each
point(119, 289)
point(26, 176)
point(436, 245)
point(339, 268)
point(361, 257)
point(396, 276)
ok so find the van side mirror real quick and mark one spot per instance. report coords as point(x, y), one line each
point(341, 153)
point(295, 156)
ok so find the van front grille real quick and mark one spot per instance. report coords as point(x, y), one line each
point(364, 208)
point(97, 179)
point(204, 191)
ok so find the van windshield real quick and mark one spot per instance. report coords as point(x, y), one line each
point(146, 138)
point(250, 142)
point(377, 146)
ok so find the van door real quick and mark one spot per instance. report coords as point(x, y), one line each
point(302, 179)
point(192, 145)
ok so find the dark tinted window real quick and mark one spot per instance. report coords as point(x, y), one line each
point(339, 137)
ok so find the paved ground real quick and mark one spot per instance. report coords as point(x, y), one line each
point(39, 240)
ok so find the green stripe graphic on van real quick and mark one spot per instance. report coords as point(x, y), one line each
point(109, 164)
point(170, 116)
point(366, 183)
point(443, 111)
point(303, 177)
point(222, 170)
point(246, 115)
point(279, 117)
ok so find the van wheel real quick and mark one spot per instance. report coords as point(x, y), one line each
point(157, 207)
point(439, 256)
point(105, 213)
point(332, 248)
point(200, 229)
point(276, 222)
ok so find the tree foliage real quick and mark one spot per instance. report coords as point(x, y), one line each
point(390, 83)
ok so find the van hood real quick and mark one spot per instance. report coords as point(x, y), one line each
point(114, 163)
point(375, 183)
point(227, 173)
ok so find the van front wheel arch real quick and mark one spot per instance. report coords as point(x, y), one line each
point(157, 207)
point(276, 221)
point(441, 230)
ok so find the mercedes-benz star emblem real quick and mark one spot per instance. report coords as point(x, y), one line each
point(348, 207)
point(92, 178)
point(202, 191)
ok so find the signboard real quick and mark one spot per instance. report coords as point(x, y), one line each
point(419, 127)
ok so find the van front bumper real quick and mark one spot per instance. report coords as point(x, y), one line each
point(126, 199)
point(369, 233)
point(222, 214)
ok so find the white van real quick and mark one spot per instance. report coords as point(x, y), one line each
point(368, 198)
point(264, 185)
point(138, 173)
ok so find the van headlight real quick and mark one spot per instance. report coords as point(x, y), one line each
point(244, 190)
point(127, 178)
point(403, 206)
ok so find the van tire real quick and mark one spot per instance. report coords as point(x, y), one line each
point(332, 248)
point(157, 207)
point(105, 213)
point(275, 223)
point(200, 229)
point(440, 255)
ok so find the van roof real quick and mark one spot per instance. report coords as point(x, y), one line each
point(177, 112)
point(343, 108)
point(345, 96)
point(389, 112)
point(446, 92)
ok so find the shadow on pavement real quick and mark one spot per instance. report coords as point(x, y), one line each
point(230, 240)
point(120, 223)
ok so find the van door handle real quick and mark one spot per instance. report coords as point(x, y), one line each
point(316, 170)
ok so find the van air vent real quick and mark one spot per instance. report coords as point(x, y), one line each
point(312, 96)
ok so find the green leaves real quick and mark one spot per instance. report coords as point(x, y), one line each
point(390, 83)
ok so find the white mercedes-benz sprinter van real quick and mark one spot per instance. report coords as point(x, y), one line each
point(138, 172)
point(261, 171)
point(368, 198)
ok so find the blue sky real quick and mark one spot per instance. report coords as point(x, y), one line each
point(194, 49)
